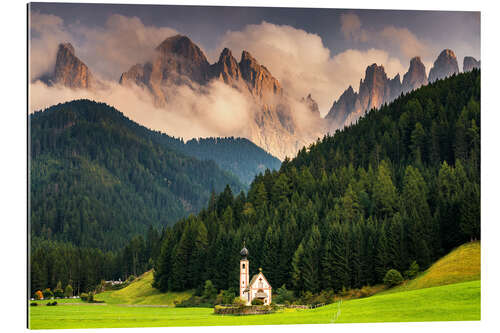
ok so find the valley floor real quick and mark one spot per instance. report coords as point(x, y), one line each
point(460, 301)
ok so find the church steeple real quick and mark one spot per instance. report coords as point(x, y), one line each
point(244, 275)
point(244, 252)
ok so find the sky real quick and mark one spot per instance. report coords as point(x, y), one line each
point(318, 51)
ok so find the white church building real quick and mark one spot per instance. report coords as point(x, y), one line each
point(258, 287)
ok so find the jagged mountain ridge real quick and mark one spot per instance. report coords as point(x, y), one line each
point(180, 61)
point(376, 89)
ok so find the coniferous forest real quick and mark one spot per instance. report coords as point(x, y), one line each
point(400, 185)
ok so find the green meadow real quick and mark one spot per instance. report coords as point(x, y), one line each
point(450, 290)
point(459, 301)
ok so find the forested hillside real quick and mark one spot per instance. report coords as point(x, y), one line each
point(401, 185)
point(239, 156)
point(97, 178)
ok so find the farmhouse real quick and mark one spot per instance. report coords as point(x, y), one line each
point(258, 287)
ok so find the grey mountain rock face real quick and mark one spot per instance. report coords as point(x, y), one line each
point(69, 70)
point(180, 61)
point(416, 75)
point(470, 63)
point(445, 65)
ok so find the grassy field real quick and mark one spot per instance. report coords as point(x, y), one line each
point(460, 265)
point(140, 292)
point(449, 290)
point(451, 302)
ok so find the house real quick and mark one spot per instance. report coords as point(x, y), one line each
point(256, 288)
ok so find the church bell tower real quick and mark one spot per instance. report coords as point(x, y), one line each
point(244, 275)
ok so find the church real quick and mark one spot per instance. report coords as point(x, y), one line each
point(258, 287)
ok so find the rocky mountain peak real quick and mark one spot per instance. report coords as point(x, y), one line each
point(182, 46)
point(445, 65)
point(374, 90)
point(226, 69)
point(69, 70)
point(260, 81)
point(66, 46)
point(416, 75)
point(311, 104)
point(470, 63)
point(341, 108)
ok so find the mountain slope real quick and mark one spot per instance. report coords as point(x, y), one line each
point(141, 292)
point(97, 178)
point(239, 156)
point(463, 264)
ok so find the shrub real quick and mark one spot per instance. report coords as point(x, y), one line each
point(52, 303)
point(33, 304)
point(130, 278)
point(47, 293)
point(209, 292)
point(91, 297)
point(225, 297)
point(238, 302)
point(392, 278)
point(58, 293)
point(38, 294)
point(192, 302)
point(283, 296)
point(257, 301)
point(412, 271)
point(84, 297)
point(68, 291)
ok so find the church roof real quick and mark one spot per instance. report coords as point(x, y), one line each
point(254, 278)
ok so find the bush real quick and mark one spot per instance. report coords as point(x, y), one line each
point(130, 279)
point(33, 304)
point(84, 297)
point(257, 301)
point(225, 297)
point(209, 292)
point(47, 293)
point(412, 271)
point(68, 291)
point(58, 293)
point(238, 302)
point(91, 297)
point(283, 296)
point(193, 302)
point(52, 303)
point(392, 278)
point(38, 295)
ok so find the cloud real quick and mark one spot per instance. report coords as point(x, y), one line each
point(121, 43)
point(351, 27)
point(47, 31)
point(309, 66)
point(213, 110)
point(401, 40)
point(108, 51)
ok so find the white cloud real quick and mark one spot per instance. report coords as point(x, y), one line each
point(401, 40)
point(108, 51)
point(47, 31)
point(121, 43)
point(301, 62)
point(214, 110)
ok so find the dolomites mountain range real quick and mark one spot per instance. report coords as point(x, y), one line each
point(276, 123)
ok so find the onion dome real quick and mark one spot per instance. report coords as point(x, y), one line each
point(244, 252)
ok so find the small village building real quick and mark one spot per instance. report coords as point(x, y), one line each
point(256, 288)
